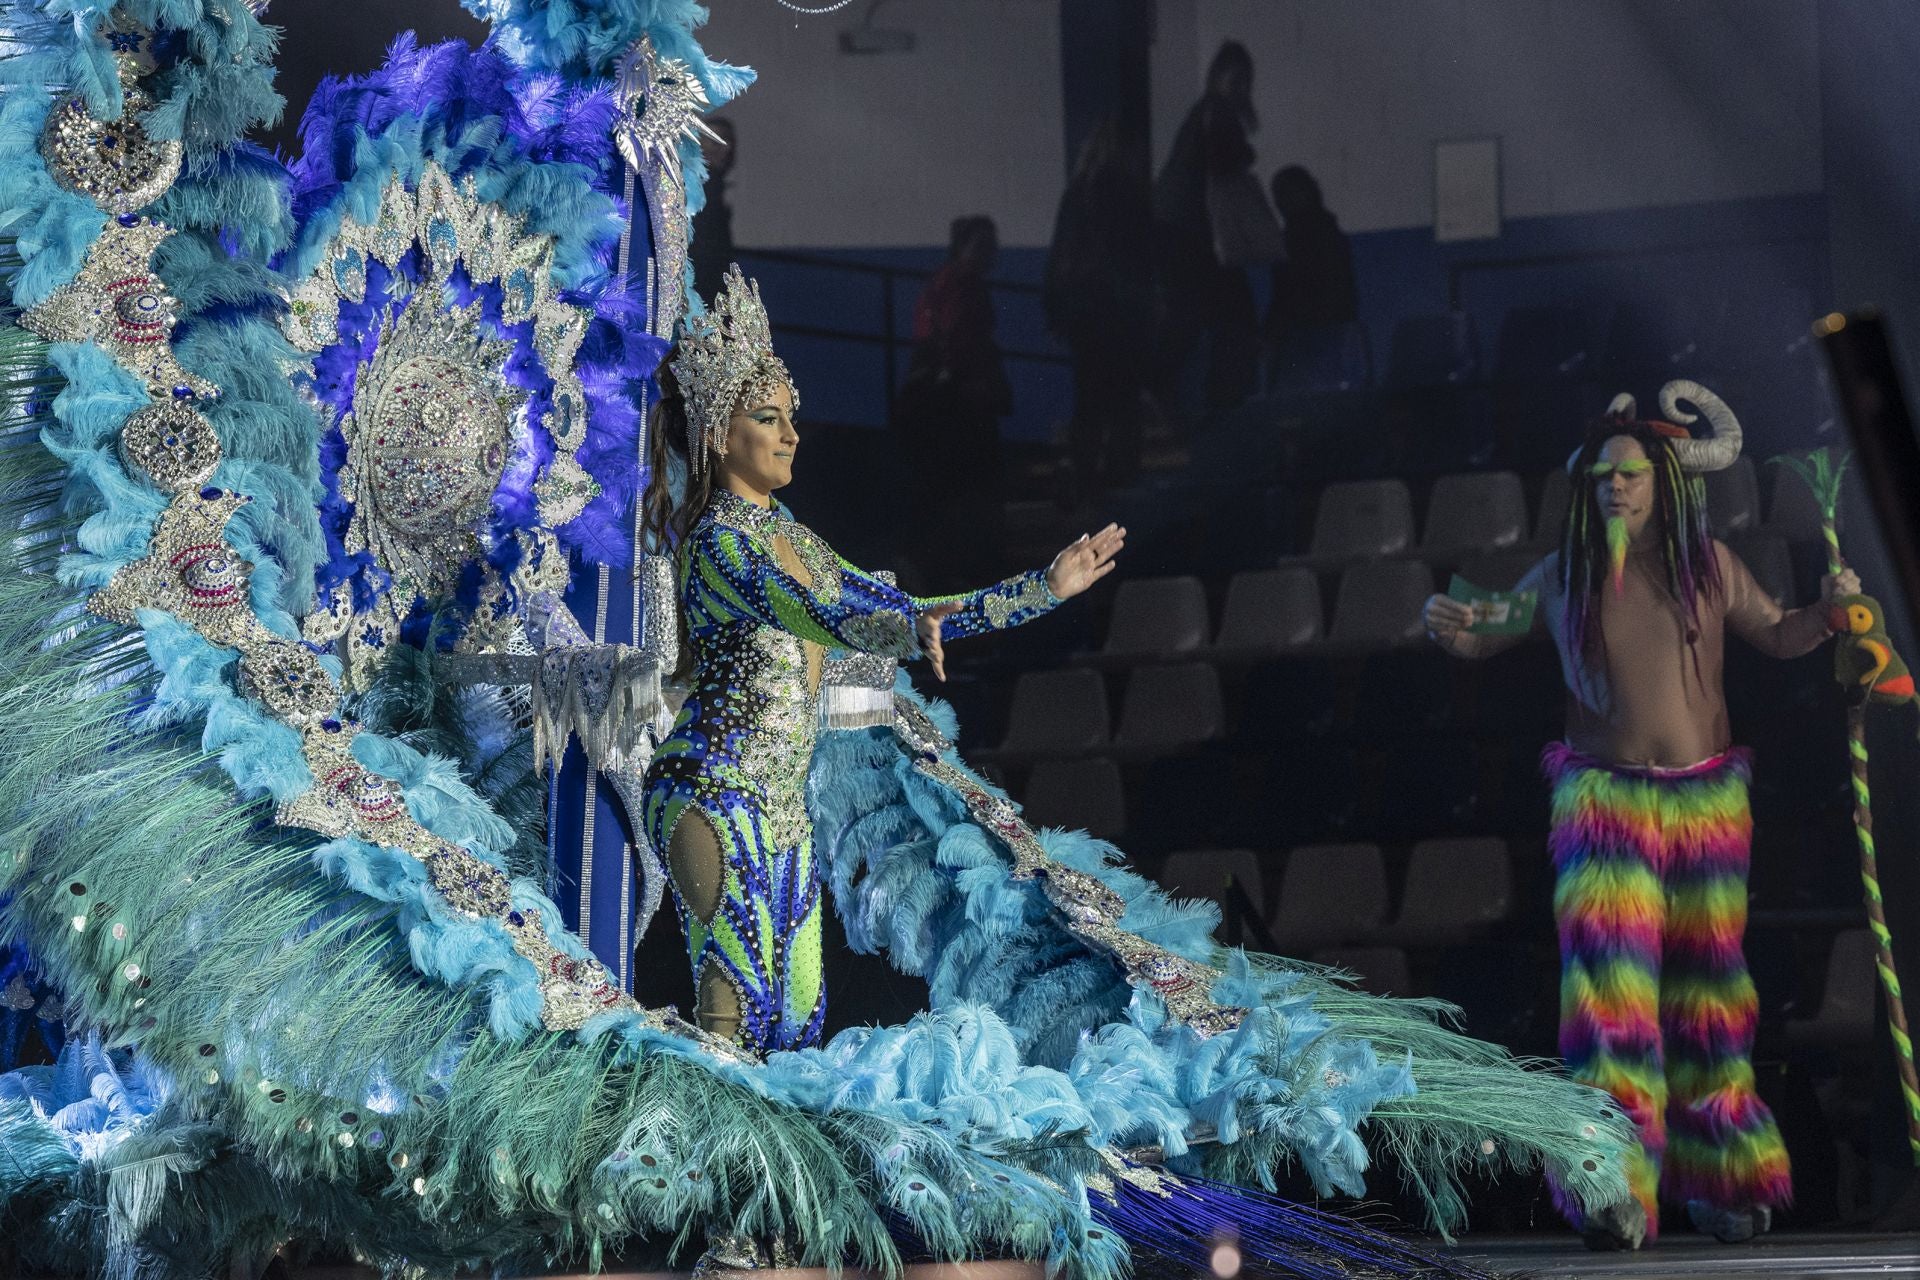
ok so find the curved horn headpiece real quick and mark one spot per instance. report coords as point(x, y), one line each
point(1718, 449)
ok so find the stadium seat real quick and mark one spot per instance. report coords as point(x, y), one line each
point(1205, 873)
point(1847, 1014)
point(1362, 520)
point(1733, 497)
point(1428, 784)
point(1081, 795)
point(1330, 895)
point(1479, 511)
point(1270, 611)
point(1170, 709)
point(1156, 618)
point(1646, 341)
point(1056, 713)
point(1767, 556)
point(1455, 890)
point(1433, 351)
point(1379, 605)
point(1500, 570)
point(1379, 970)
point(1544, 343)
point(1555, 491)
point(1791, 510)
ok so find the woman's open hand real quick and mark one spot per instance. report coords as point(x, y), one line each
point(1085, 561)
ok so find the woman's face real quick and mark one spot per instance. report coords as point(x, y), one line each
point(761, 442)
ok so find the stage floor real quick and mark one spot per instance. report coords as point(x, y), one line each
point(1780, 1257)
point(1686, 1254)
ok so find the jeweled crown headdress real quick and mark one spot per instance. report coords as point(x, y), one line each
point(725, 358)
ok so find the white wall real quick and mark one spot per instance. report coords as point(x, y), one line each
point(1600, 104)
point(885, 150)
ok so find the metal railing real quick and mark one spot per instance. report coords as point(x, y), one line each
point(887, 337)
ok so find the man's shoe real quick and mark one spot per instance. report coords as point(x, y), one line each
point(1730, 1226)
point(1621, 1225)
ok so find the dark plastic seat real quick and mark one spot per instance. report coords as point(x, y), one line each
point(1361, 520)
point(1847, 1014)
point(1500, 570)
point(1206, 873)
point(1520, 692)
point(1382, 971)
point(1270, 611)
point(1428, 786)
point(1403, 689)
point(1156, 618)
point(1556, 491)
point(1791, 510)
point(1456, 890)
point(1544, 343)
point(1766, 555)
point(1479, 511)
point(1197, 798)
point(1733, 497)
point(1380, 604)
point(1330, 895)
point(1080, 795)
point(1169, 709)
point(1285, 700)
point(1057, 713)
point(1324, 360)
point(1648, 341)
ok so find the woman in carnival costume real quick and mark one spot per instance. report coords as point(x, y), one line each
point(763, 599)
point(285, 444)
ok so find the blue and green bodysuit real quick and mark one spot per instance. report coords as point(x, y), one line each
point(765, 599)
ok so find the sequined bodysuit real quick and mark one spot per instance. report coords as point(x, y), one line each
point(740, 750)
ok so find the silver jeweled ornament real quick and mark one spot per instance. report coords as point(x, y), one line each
point(115, 163)
point(171, 445)
point(118, 302)
point(453, 228)
point(660, 105)
point(427, 441)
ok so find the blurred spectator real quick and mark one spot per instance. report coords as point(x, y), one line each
point(1204, 295)
point(1100, 302)
point(1313, 292)
point(948, 413)
point(713, 226)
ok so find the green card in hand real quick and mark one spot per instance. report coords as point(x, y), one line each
point(1495, 613)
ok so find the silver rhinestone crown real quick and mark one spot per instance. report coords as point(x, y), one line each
point(725, 358)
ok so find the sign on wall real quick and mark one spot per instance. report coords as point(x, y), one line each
point(1466, 189)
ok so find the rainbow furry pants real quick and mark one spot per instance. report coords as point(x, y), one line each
point(1656, 1006)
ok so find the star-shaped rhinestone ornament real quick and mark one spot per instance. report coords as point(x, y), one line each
point(118, 302)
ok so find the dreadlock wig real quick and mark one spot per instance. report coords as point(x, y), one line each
point(1680, 514)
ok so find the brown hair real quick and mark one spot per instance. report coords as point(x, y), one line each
point(665, 522)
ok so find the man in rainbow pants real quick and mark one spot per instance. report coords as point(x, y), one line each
point(1651, 825)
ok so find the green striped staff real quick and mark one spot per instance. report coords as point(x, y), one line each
point(1822, 474)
